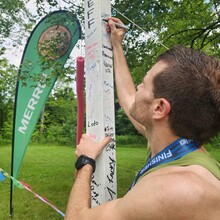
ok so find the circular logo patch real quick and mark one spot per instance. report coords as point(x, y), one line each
point(54, 42)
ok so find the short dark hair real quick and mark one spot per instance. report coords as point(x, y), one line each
point(191, 83)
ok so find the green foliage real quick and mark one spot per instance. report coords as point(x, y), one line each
point(7, 130)
point(190, 23)
point(7, 91)
point(122, 124)
point(132, 140)
point(8, 77)
point(59, 120)
point(9, 15)
point(15, 21)
point(214, 143)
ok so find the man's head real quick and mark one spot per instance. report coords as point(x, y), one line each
point(191, 84)
point(145, 107)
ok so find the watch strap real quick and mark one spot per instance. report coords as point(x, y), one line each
point(83, 160)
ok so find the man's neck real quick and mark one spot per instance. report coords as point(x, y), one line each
point(157, 141)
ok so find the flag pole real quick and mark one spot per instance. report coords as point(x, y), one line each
point(12, 151)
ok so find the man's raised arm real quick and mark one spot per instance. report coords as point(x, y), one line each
point(124, 82)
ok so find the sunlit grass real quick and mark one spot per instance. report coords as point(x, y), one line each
point(49, 171)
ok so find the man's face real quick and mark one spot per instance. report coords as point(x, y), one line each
point(141, 109)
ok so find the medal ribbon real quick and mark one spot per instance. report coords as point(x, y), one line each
point(174, 151)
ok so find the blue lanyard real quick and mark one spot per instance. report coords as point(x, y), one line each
point(174, 151)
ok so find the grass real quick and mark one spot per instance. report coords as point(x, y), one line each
point(49, 171)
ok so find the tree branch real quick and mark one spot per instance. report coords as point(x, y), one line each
point(218, 35)
point(204, 38)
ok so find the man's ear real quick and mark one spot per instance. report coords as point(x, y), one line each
point(161, 108)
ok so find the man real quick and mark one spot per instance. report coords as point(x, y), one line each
point(177, 108)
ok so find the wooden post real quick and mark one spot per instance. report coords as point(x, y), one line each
point(100, 116)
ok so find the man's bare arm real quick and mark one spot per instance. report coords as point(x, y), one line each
point(79, 199)
point(124, 82)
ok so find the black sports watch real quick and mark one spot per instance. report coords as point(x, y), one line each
point(83, 160)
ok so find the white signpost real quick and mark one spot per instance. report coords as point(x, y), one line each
point(100, 116)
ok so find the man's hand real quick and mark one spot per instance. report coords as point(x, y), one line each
point(91, 148)
point(116, 34)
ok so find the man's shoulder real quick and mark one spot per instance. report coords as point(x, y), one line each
point(169, 190)
point(174, 181)
point(194, 179)
point(168, 194)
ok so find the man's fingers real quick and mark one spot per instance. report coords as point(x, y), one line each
point(115, 20)
point(84, 136)
point(112, 25)
point(105, 141)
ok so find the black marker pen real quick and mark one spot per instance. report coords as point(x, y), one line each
point(118, 25)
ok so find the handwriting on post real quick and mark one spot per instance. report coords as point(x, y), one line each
point(90, 14)
point(100, 98)
point(112, 164)
point(111, 146)
point(93, 124)
point(111, 193)
point(95, 191)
